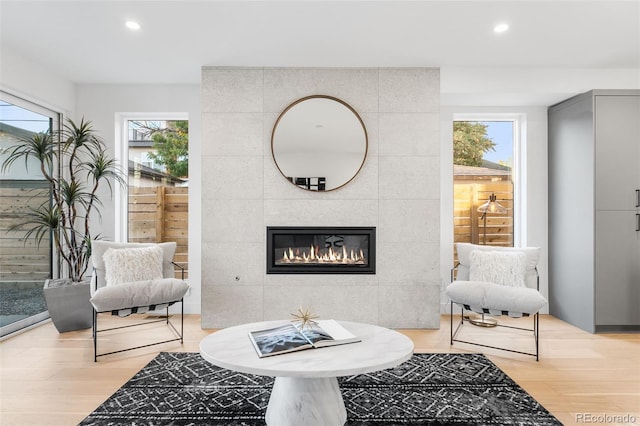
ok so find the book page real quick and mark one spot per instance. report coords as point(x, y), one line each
point(328, 333)
point(315, 333)
point(278, 340)
point(335, 330)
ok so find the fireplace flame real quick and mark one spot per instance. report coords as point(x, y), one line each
point(328, 256)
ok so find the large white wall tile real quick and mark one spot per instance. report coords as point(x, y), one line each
point(232, 134)
point(235, 264)
point(232, 89)
point(409, 306)
point(225, 306)
point(409, 178)
point(409, 90)
point(229, 178)
point(411, 221)
point(408, 263)
point(358, 87)
point(408, 133)
point(232, 221)
point(322, 212)
point(328, 301)
point(319, 280)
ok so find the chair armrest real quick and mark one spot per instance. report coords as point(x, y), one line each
point(181, 269)
point(95, 278)
point(454, 269)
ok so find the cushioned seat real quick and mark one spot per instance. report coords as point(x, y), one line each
point(139, 296)
point(495, 299)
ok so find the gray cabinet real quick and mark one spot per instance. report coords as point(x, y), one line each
point(594, 241)
point(617, 275)
point(617, 147)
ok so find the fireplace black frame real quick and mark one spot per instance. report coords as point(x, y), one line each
point(369, 268)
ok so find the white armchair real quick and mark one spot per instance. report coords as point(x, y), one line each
point(497, 281)
point(135, 278)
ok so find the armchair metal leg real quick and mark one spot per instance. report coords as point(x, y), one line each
point(455, 333)
point(95, 336)
point(179, 335)
point(535, 333)
point(451, 326)
point(535, 330)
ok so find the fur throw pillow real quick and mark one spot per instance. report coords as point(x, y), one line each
point(128, 265)
point(499, 267)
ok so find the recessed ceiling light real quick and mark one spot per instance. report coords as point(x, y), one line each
point(133, 25)
point(500, 28)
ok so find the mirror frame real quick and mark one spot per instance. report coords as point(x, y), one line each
point(340, 101)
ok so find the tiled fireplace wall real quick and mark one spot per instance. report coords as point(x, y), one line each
point(397, 191)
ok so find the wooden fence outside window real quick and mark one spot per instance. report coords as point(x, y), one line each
point(156, 214)
point(159, 214)
point(22, 262)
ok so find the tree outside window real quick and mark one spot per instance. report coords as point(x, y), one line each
point(170, 145)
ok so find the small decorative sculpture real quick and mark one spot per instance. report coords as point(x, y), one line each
point(305, 317)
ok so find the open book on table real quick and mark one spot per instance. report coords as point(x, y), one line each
point(292, 337)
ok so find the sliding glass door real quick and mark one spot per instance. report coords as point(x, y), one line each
point(24, 264)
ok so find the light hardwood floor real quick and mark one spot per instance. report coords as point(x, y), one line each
point(50, 379)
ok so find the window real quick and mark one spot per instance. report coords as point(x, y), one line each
point(155, 149)
point(24, 265)
point(486, 159)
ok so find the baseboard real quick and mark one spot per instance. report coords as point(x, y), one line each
point(617, 328)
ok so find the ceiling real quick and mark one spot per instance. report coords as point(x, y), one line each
point(87, 42)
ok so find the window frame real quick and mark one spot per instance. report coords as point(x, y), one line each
point(121, 155)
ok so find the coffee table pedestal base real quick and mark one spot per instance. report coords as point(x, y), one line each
point(309, 402)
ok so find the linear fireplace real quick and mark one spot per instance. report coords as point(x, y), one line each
point(321, 250)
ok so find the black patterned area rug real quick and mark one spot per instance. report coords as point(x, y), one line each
point(429, 389)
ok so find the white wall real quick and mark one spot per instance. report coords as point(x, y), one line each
point(103, 103)
point(27, 79)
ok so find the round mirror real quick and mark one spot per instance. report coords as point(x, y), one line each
point(319, 143)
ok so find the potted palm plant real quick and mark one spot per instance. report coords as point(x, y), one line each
point(75, 163)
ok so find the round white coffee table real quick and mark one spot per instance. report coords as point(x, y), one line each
point(305, 390)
